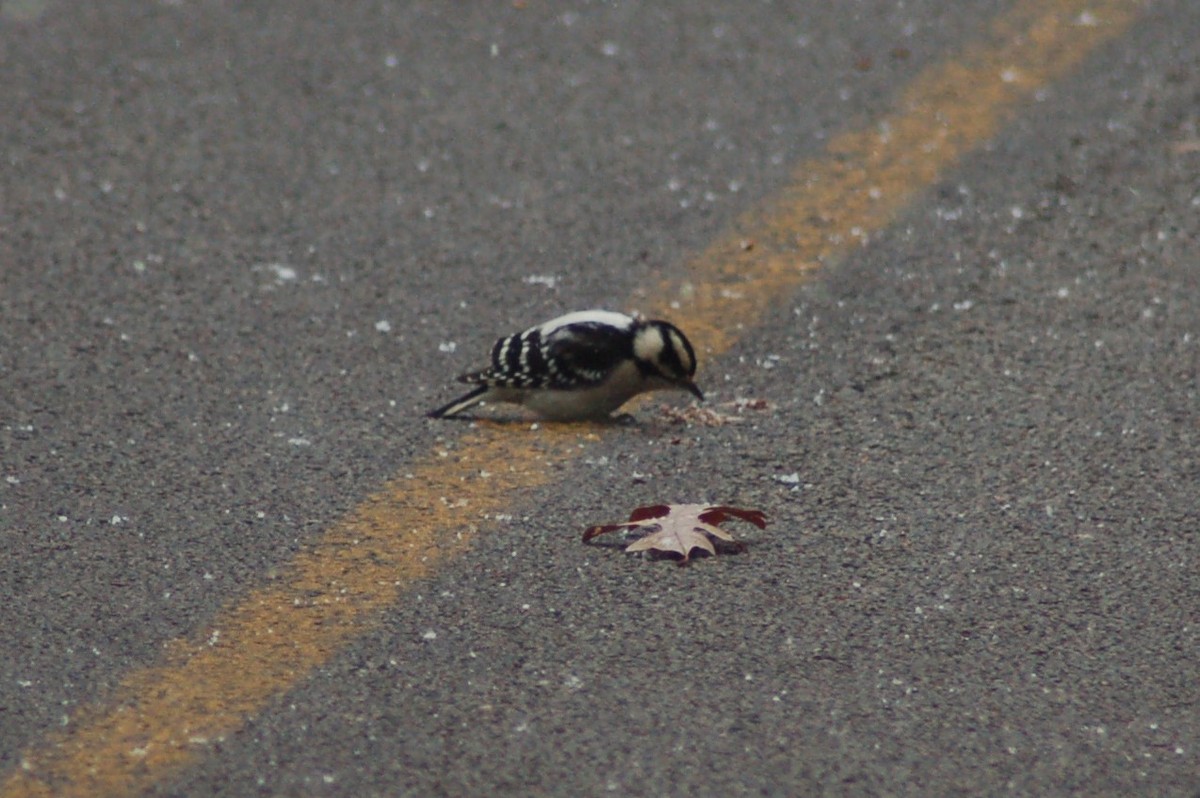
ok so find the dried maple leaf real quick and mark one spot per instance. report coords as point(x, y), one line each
point(679, 528)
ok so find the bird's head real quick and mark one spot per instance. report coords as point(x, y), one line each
point(665, 355)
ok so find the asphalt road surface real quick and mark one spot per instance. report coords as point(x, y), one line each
point(243, 247)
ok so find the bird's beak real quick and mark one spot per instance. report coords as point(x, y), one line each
point(692, 388)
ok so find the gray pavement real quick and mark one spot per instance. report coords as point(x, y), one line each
point(236, 243)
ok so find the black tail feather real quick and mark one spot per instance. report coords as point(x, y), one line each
point(460, 404)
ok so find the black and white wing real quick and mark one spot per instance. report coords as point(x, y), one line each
point(553, 366)
point(575, 351)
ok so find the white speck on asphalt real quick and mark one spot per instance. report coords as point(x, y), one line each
point(283, 273)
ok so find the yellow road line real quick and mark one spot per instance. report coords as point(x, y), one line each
point(162, 718)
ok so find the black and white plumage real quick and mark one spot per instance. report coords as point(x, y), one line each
point(581, 365)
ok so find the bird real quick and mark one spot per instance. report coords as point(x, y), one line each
point(583, 365)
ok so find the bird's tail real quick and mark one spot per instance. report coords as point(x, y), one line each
point(460, 404)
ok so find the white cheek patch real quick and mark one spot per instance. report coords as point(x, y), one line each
point(649, 344)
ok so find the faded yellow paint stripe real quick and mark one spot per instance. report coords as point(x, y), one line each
point(162, 718)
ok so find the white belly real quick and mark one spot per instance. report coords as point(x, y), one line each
point(597, 402)
point(621, 386)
